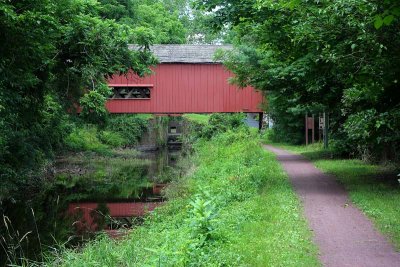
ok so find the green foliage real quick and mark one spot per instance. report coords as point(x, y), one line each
point(51, 53)
point(164, 21)
point(202, 216)
point(374, 131)
point(118, 131)
point(225, 213)
point(151, 20)
point(85, 138)
point(129, 127)
point(93, 105)
point(219, 123)
point(317, 56)
point(390, 13)
point(25, 149)
point(166, 26)
point(112, 139)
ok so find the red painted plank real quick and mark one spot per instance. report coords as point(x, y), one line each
point(186, 88)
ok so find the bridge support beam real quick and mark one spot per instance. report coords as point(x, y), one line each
point(260, 120)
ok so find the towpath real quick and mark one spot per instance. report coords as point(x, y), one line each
point(344, 235)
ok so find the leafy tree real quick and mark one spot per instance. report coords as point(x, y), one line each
point(52, 52)
point(169, 22)
point(53, 55)
point(314, 56)
point(156, 17)
point(388, 16)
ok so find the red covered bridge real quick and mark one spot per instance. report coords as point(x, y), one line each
point(187, 80)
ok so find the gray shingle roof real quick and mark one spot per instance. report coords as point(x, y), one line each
point(186, 53)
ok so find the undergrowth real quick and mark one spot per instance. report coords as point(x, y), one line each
point(234, 208)
point(119, 131)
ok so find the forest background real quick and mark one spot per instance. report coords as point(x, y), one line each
point(310, 56)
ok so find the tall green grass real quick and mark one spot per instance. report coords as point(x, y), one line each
point(235, 207)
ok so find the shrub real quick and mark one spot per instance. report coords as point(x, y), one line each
point(129, 127)
point(93, 105)
point(112, 139)
point(85, 138)
point(218, 123)
point(202, 214)
point(372, 134)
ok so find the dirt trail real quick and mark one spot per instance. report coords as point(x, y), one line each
point(344, 235)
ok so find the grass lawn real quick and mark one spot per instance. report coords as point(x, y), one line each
point(373, 188)
point(199, 118)
point(235, 207)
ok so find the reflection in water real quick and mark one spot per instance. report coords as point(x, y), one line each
point(160, 161)
point(126, 211)
point(88, 193)
point(120, 214)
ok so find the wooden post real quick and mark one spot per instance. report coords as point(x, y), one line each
point(260, 120)
point(312, 129)
point(306, 124)
point(326, 118)
point(319, 128)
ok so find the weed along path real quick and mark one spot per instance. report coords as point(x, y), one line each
point(344, 235)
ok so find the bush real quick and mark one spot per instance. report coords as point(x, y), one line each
point(93, 104)
point(120, 130)
point(219, 123)
point(373, 135)
point(112, 139)
point(85, 138)
point(129, 127)
point(27, 144)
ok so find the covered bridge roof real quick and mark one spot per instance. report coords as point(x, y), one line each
point(186, 53)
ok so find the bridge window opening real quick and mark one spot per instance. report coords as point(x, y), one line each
point(173, 130)
point(131, 93)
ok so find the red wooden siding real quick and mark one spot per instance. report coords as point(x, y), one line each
point(186, 88)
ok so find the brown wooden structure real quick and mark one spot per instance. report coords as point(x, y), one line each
point(309, 123)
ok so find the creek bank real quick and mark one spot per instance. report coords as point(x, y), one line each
point(125, 185)
point(233, 207)
point(91, 190)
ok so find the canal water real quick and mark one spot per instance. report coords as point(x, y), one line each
point(135, 189)
point(91, 192)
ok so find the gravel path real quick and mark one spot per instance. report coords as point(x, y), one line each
point(344, 235)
